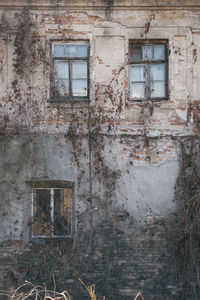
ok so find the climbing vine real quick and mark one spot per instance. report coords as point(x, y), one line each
point(186, 225)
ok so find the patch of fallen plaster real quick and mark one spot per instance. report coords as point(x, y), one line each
point(83, 18)
point(147, 189)
point(182, 114)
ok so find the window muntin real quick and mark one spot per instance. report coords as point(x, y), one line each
point(70, 70)
point(52, 212)
point(148, 70)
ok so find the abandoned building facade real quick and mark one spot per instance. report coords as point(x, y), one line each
point(99, 107)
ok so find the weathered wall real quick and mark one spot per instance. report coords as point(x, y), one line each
point(123, 156)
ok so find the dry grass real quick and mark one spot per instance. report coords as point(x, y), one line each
point(90, 289)
point(31, 292)
point(28, 291)
point(139, 295)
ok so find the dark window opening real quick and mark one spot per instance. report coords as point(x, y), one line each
point(52, 212)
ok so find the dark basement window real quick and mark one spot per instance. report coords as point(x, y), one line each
point(70, 71)
point(52, 209)
point(148, 70)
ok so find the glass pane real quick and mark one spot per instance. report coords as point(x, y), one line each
point(77, 50)
point(157, 72)
point(158, 89)
point(136, 53)
point(42, 212)
point(79, 87)
point(61, 88)
point(137, 90)
point(159, 52)
point(61, 69)
point(147, 52)
point(62, 212)
point(79, 69)
point(137, 73)
point(59, 50)
point(70, 50)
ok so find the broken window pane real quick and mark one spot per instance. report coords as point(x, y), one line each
point(61, 69)
point(157, 72)
point(136, 53)
point(157, 89)
point(42, 212)
point(79, 69)
point(147, 52)
point(137, 90)
point(76, 50)
point(52, 212)
point(62, 212)
point(137, 73)
point(159, 52)
point(79, 87)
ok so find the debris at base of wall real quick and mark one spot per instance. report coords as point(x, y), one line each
point(29, 291)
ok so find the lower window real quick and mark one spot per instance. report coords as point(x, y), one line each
point(52, 212)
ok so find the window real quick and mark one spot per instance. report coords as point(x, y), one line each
point(69, 78)
point(52, 212)
point(148, 70)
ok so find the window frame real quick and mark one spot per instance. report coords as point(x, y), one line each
point(52, 185)
point(69, 98)
point(146, 64)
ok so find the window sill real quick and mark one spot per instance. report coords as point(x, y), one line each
point(53, 241)
point(69, 99)
point(51, 237)
point(148, 100)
